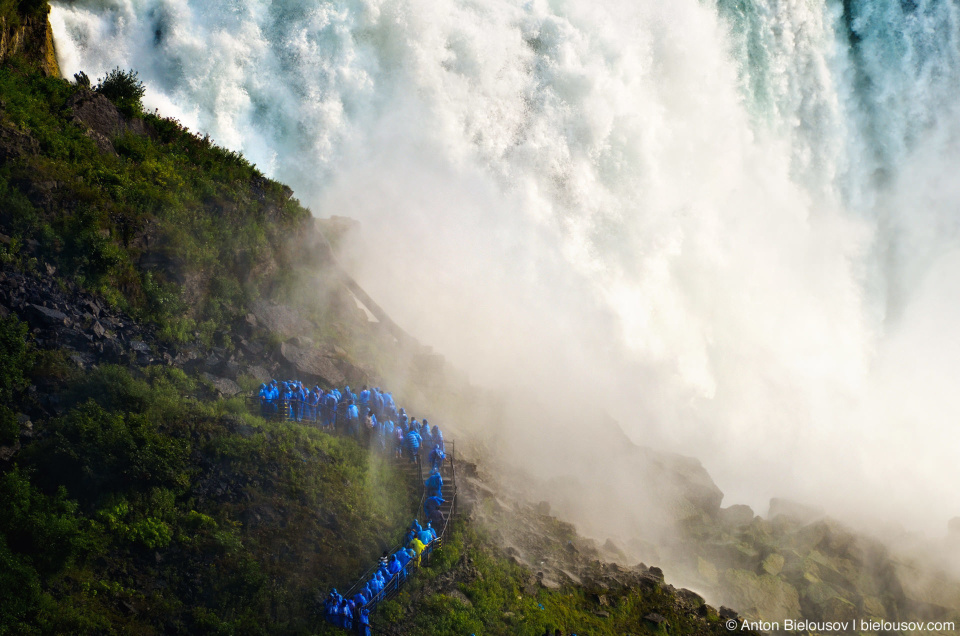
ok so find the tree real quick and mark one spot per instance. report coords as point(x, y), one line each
point(124, 89)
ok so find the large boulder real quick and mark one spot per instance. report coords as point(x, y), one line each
point(281, 319)
point(801, 512)
point(95, 112)
point(224, 386)
point(312, 365)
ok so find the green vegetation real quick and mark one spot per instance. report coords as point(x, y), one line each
point(144, 510)
point(14, 358)
point(490, 594)
point(158, 214)
point(123, 88)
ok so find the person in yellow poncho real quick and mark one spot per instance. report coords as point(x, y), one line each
point(417, 546)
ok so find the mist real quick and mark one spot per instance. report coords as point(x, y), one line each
point(732, 232)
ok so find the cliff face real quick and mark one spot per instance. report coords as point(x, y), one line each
point(30, 37)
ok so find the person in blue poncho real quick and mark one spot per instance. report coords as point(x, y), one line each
point(398, 436)
point(376, 403)
point(425, 536)
point(332, 607)
point(263, 396)
point(286, 395)
point(434, 483)
point(413, 444)
point(438, 438)
point(394, 566)
point(432, 504)
point(361, 597)
point(364, 622)
point(369, 427)
point(330, 410)
point(436, 458)
point(346, 615)
point(353, 419)
point(313, 404)
point(300, 397)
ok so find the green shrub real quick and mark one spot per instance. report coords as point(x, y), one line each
point(96, 452)
point(124, 89)
point(15, 357)
point(9, 427)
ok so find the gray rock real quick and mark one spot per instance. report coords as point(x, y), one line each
point(224, 386)
point(259, 373)
point(736, 516)
point(230, 369)
point(7, 452)
point(312, 365)
point(139, 346)
point(281, 319)
point(47, 316)
point(802, 513)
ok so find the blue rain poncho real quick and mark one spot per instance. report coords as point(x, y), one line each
point(434, 483)
point(364, 621)
point(394, 565)
point(432, 504)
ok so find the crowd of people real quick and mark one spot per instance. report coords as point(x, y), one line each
point(353, 613)
point(372, 417)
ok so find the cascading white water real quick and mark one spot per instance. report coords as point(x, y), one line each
point(733, 224)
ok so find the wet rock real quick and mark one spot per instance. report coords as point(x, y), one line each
point(281, 319)
point(773, 564)
point(726, 612)
point(253, 348)
point(230, 369)
point(7, 452)
point(47, 316)
point(736, 516)
point(312, 365)
point(690, 598)
point(800, 512)
point(95, 112)
point(224, 386)
point(139, 346)
point(15, 144)
point(655, 619)
point(261, 374)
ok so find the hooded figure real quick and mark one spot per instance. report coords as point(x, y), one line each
point(346, 614)
point(436, 458)
point(418, 547)
point(364, 622)
point(394, 565)
point(330, 409)
point(425, 537)
point(432, 504)
point(353, 418)
point(413, 444)
point(403, 557)
point(434, 483)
